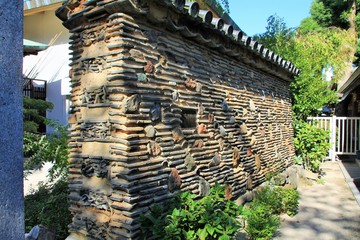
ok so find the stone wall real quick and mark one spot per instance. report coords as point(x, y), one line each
point(165, 102)
point(11, 122)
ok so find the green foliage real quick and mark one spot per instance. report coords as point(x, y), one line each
point(290, 201)
point(153, 223)
point(277, 37)
point(311, 52)
point(220, 5)
point(329, 13)
point(47, 148)
point(263, 215)
point(320, 13)
point(271, 197)
point(33, 111)
point(261, 223)
point(311, 144)
point(211, 217)
point(308, 25)
point(49, 206)
point(340, 14)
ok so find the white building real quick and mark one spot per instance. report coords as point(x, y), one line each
point(52, 65)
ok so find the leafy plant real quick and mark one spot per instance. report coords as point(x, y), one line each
point(47, 148)
point(48, 206)
point(311, 144)
point(270, 196)
point(33, 113)
point(311, 52)
point(152, 223)
point(211, 217)
point(263, 214)
point(261, 222)
point(290, 201)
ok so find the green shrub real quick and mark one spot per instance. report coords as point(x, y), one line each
point(263, 214)
point(211, 217)
point(153, 223)
point(311, 144)
point(48, 206)
point(290, 201)
point(53, 148)
point(272, 197)
point(34, 113)
point(261, 222)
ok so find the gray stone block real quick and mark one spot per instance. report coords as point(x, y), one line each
point(11, 160)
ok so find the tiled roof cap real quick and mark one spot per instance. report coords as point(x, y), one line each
point(189, 11)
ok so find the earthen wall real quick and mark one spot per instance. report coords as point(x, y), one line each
point(156, 111)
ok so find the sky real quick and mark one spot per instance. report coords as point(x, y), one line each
point(251, 16)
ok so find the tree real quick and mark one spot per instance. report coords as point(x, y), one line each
point(48, 205)
point(311, 52)
point(329, 13)
point(39, 148)
point(277, 37)
point(340, 14)
point(317, 44)
point(33, 113)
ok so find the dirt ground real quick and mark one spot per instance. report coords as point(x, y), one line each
point(327, 211)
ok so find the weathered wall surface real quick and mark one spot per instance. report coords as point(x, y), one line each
point(156, 110)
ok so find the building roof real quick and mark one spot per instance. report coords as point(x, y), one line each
point(352, 83)
point(37, 66)
point(31, 4)
point(31, 47)
point(191, 22)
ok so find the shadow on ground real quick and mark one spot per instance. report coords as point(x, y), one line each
point(327, 211)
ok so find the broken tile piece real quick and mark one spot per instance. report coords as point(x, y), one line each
point(131, 104)
point(149, 67)
point(174, 180)
point(189, 163)
point(204, 187)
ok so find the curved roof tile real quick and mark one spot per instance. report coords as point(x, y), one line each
point(73, 16)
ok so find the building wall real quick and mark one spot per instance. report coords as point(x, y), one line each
point(43, 27)
point(51, 64)
point(155, 113)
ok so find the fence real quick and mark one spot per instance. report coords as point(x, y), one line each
point(34, 89)
point(344, 134)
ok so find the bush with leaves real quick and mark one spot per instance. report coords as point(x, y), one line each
point(263, 214)
point(153, 223)
point(290, 201)
point(211, 217)
point(311, 144)
point(53, 148)
point(48, 206)
point(261, 223)
point(34, 112)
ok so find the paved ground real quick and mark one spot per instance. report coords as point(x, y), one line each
point(328, 211)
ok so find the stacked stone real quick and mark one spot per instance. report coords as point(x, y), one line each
point(160, 110)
